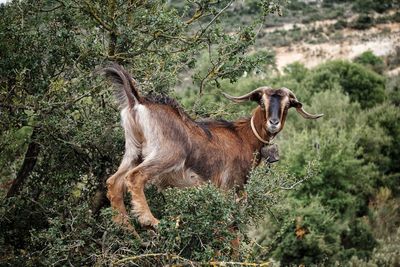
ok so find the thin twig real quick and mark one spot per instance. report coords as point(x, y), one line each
point(215, 17)
point(197, 14)
point(293, 185)
point(226, 263)
point(176, 257)
point(152, 255)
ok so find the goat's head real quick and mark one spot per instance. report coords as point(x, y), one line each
point(275, 103)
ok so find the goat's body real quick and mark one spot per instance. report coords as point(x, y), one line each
point(165, 147)
point(184, 152)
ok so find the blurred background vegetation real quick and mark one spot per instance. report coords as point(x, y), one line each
point(332, 199)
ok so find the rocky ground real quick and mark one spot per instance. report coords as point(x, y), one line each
point(347, 43)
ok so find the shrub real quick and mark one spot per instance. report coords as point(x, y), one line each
point(360, 83)
point(309, 236)
point(362, 22)
point(393, 60)
point(340, 24)
point(296, 71)
point(384, 215)
point(358, 240)
point(370, 60)
point(393, 86)
point(386, 255)
point(373, 5)
point(380, 143)
point(334, 141)
point(396, 17)
point(196, 227)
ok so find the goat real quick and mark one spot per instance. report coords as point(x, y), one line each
point(165, 147)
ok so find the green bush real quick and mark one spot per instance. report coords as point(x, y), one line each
point(370, 60)
point(310, 236)
point(362, 22)
point(358, 240)
point(381, 144)
point(373, 5)
point(396, 17)
point(296, 71)
point(197, 225)
point(340, 24)
point(393, 86)
point(386, 255)
point(384, 215)
point(360, 83)
point(393, 60)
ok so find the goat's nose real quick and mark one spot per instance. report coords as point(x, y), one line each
point(274, 121)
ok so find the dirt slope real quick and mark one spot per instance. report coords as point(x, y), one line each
point(382, 39)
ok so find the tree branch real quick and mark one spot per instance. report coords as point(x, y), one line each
point(213, 20)
point(27, 166)
point(95, 16)
point(197, 14)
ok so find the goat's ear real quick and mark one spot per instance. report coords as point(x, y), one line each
point(254, 95)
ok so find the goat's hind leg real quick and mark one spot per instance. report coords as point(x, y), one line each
point(136, 180)
point(115, 193)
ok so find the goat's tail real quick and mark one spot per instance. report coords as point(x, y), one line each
point(127, 94)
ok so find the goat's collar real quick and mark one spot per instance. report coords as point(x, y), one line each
point(256, 133)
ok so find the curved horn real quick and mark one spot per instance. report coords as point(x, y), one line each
point(291, 94)
point(299, 107)
point(254, 95)
point(306, 114)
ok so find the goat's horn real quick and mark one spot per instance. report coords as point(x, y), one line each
point(308, 115)
point(254, 95)
point(291, 94)
point(299, 107)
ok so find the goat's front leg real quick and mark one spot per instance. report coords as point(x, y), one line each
point(136, 180)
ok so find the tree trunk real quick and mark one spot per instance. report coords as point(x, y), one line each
point(27, 166)
point(113, 35)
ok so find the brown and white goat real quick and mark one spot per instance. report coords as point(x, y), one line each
point(164, 146)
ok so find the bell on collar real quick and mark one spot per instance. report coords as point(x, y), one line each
point(270, 153)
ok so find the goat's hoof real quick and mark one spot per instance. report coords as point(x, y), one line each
point(121, 220)
point(155, 223)
point(153, 227)
point(149, 222)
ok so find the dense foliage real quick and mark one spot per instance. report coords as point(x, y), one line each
point(334, 197)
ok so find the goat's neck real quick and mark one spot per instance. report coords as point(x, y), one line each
point(259, 124)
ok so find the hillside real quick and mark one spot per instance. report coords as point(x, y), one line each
point(332, 32)
point(382, 39)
